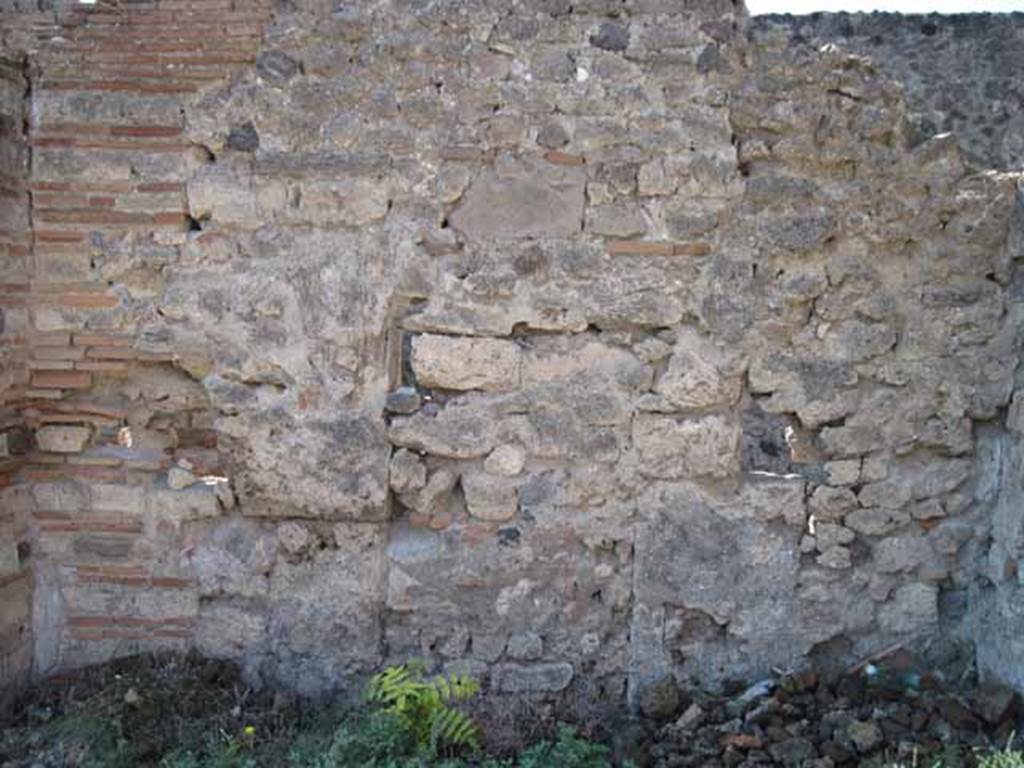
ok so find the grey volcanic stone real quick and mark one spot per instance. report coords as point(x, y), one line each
point(553, 136)
point(533, 678)
point(277, 67)
point(611, 36)
point(976, 50)
point(244, 138)
point(660, 700)
point(404, 400)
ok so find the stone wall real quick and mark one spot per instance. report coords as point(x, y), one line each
point(960, 73)
point(573, 345)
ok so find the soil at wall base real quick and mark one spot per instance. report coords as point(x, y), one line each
point(159, 704)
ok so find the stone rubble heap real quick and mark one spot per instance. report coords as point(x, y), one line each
point(889, 715)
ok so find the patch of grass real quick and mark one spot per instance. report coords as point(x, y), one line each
point(1005, 758)
point(368, 738)
point(568, 751)
point(138, 712)
point(956, 757)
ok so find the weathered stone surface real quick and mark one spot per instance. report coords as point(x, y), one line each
point(525, 646)
point(196, 502)
point(876, 521)
point(229, 631)
point(178, 478)
point(695, 378)
point(293, 537)
point(9, 561)
point(276, 67)
point(901, 553)
point(63, 439)
point(407, 472)
point(938, 98)
point(460, 431)
point(404, 400)
point(553, 136)
point(700, 551)
point(832, 504)
point(843, 472)
point(505, 460)
point(451, 362)
point(611, 36)
point(243, 138)
point(522, 199)
point(660, 700)
point(865, 735)
point(616, 221)
point(912, 608)
point(829, 535)
point(346, 479)
point(836, 557)
point(770, 498)
point(533, 678)
point(490, 498)
point(328, 203)
point(432, 498)
point(677, 448)
point(338, 591)
point(233, 558)
point(224, 194)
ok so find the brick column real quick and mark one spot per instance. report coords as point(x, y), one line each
point(105, 188)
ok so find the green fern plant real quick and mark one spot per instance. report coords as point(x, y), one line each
point(424, 706)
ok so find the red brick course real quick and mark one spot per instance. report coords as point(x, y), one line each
point(171, 48)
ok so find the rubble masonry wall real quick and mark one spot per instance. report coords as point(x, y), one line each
point(572, 345)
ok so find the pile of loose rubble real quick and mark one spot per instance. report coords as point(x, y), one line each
point(883, 714)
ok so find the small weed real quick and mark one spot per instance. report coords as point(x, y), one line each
point(424, 707)
point(569, 750)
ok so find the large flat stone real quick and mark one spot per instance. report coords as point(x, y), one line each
point(460, 431)
point(534, 678)
point(522, 199)
point(489, 497)
point(675, 448)
point(912, 608)
point(456, 362)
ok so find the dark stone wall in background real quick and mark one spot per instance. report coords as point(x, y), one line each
point(961, 73)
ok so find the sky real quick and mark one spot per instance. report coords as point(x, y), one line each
point(901, 6)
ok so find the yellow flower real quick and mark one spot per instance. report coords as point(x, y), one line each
point(249, 730)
